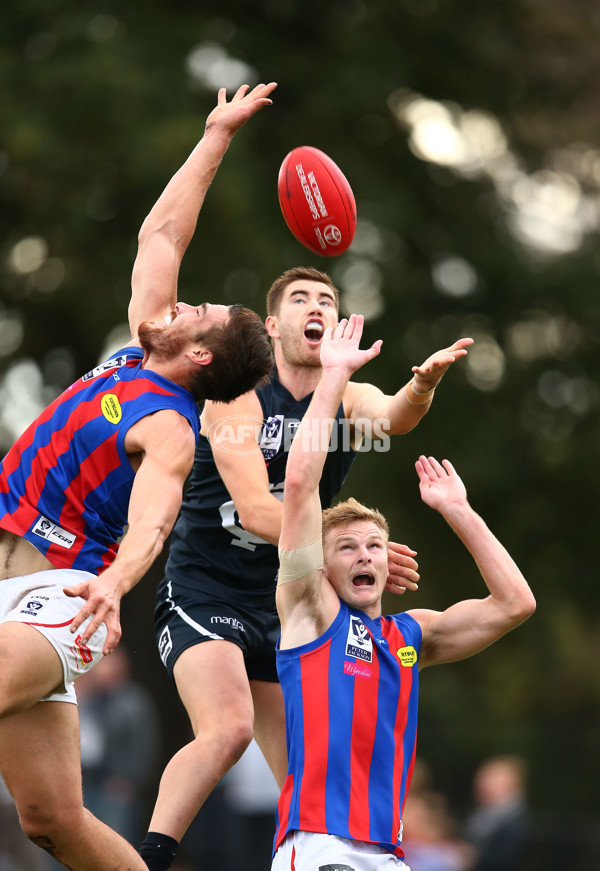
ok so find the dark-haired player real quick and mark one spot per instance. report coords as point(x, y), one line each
point(113, 450)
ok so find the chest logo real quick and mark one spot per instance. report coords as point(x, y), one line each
point(407, 656)
point(359, 642)
point(111, 408)
point(271, 436)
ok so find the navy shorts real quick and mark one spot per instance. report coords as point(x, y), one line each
point(185, 617)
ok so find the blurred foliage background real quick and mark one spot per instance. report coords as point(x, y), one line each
point(470, 134)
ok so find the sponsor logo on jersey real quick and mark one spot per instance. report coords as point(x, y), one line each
point(165, 645)
point(407, 656)
point(357, 669)
point(113, 363)
point(230, 621)
point(359, 641)
point(53, 533)
point(82, 654)
point(270, 439)
point(111, 408)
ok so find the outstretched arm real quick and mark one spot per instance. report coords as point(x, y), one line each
point(301, 521)
point(402, 412)
point(168, 229)
point(467, 627)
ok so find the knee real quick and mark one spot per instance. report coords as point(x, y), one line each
point(231, 734)
point(46, 825)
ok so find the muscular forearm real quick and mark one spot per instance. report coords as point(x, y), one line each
point(309, 448)
point(501, 574)
point(179, 205)
point(263, 520)
point(406, 408)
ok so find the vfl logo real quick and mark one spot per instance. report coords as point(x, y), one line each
point(113, 363)
point(270, 438)
point(111, 408)
point(53, 533)
point(165, 645)
point(359, 642)
point(31, 608)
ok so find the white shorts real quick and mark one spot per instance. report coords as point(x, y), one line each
point(38, 600)
point(311, 851)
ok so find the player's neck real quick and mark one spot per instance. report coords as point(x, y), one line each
point(299, 379)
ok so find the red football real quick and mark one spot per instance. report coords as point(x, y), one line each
point(316, 201)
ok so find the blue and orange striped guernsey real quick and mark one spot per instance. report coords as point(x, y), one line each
point(66, 482)
point(351, 701)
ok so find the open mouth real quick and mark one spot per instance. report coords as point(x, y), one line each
point(363, 580)
point(313, 332)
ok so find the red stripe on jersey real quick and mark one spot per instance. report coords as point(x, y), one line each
point(92, 472)
point(314, 676)
point(395, 641)
point(12, 460)
point(364, 725)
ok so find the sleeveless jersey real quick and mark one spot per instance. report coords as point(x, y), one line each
point(351, 701)
point(209, 547)
point(66, 482)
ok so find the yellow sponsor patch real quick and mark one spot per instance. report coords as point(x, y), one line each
point(111, 408)
point(407, 656)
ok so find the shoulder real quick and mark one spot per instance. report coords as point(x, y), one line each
point(159, 431)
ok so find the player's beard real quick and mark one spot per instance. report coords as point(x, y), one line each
point(160, 342)
point(295, 350)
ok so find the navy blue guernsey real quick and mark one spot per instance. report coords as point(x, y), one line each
point(210, 549)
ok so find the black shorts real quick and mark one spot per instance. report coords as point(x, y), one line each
point(183, 618)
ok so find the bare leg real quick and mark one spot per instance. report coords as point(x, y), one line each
point(269, 726)
point(40, 763)
point(30, 667)
point(212, 683)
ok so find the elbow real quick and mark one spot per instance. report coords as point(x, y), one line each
point(523, 607)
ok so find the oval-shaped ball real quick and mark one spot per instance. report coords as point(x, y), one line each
point(316, 201)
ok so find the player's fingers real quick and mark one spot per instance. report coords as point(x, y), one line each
point(339, 330)
point(375, 348)
point(396, 547)
point(77, 590)
point(113, 636)
point(428, 467)
point(222, 96)
point(93, 626)
point(240, 93)
point(396, 589)
point(449, 467)
point(438, 468)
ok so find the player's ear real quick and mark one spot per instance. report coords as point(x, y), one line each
point(272, 327)
point(200, 356)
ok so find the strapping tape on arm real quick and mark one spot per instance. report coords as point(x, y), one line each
point(294, 564)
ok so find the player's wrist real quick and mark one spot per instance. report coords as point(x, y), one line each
point(418, 396)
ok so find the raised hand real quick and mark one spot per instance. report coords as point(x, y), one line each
point(244, 104)
point(339, 348)
point(429, 374)
point(403, 572)
point(440, 486)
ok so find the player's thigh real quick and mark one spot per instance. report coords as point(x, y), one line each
point(30, 667)
point(213, 685)
point(40, 759)
point(269, 726)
